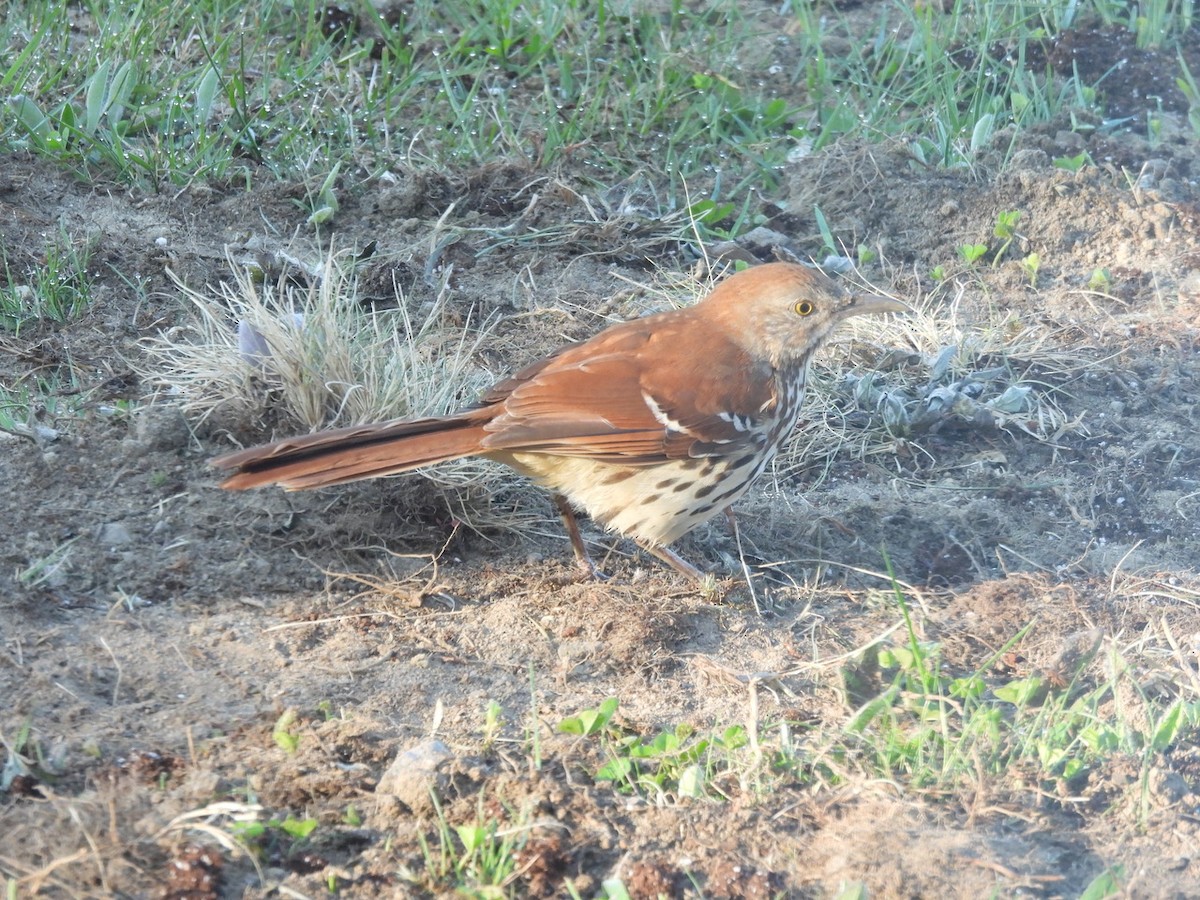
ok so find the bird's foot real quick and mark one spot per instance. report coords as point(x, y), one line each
point(588, 570)
point(674, 560)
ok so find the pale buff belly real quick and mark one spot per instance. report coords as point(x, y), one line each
point(657, 503)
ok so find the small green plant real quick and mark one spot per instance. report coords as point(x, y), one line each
point(284, 733)
point(829, 244)
point(1006, 230)
point(299, 829)
point(275, 840)
point(25, 755)
point(710, 212)
point(1100, 280)
point(91, 132)
point(591, 721)
point(37, 407)
point(1154, 127)
point(324, 204)
point(614, 889)
point(46, 569)
point(938, 273)
point(971, 253)
point(493, 723)
point(1072, 163)
point(674, 763)
point(1110, 883)
point(719, 219)
point(1030, 265)
point(1186, 82)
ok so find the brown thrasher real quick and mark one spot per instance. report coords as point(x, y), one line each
point(651, 426)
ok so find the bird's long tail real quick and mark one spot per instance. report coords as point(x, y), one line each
point(353, 453)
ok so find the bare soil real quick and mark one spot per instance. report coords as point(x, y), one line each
point(152, 666)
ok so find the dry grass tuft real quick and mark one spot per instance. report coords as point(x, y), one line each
point(930, 369)
point(314, 357)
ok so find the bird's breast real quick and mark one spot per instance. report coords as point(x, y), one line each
point(789, 394)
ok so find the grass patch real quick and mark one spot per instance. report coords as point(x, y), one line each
point(476, 858)
point(672, 765)
point(910, 720)
point(38, 296)
point(52, 289)
point(685, 94)
point(1043, 734)
point(276, 85)
point(42, 407)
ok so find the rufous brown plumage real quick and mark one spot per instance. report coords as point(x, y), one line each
point(651, 426)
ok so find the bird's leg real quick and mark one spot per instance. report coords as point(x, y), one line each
point(731, 521)
point(672, 559)
point(582, 558)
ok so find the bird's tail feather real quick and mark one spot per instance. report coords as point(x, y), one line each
point(350, 454)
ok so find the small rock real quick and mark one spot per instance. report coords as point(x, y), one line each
point(1168, 787)
point(1190, 285)
point(731, 251)
point(161, 426)
point(762, 241)
point(1028, 160)
point(113, 534)
point(576, 651)
point(1070, 141)
point(414, 774)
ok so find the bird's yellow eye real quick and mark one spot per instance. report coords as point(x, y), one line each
point(803, 308)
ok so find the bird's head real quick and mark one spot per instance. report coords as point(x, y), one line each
point(783, 311)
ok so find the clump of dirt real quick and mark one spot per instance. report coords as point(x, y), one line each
point(1134, 82)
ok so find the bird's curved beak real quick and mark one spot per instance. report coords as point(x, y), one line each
point(867, 304)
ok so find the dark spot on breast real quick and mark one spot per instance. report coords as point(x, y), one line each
point(664, 484)
point(723, 498)
point(707, 489)
point(650, 499)
point(682, 486)
point(618, 476)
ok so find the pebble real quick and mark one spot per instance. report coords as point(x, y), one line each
point(162, 426)
point(113, 534)
point(414, 774)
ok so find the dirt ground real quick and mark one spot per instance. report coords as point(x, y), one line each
point(152, 661)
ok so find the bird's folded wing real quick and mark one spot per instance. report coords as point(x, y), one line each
point(638, 399)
